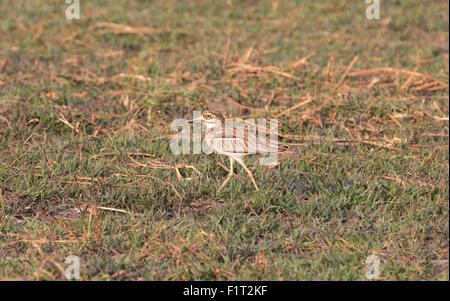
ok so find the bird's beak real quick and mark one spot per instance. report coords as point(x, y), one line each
point(196, 119)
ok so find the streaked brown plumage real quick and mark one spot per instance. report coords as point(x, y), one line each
point(236, 141)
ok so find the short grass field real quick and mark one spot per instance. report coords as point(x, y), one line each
point(86, 167)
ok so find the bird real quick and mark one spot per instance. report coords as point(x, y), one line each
point(235, 141)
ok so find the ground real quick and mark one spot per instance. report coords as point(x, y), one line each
point(85, 161)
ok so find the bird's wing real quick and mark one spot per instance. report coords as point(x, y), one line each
point(244, 140)
point(250, 144)
point(230, 145)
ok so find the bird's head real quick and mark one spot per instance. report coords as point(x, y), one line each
point(211, 118)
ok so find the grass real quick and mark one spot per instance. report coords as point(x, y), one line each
point(84, 124)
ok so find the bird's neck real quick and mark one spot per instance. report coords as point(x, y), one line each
point(213, 125)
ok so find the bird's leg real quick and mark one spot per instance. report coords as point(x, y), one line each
point(230, 174)
point(249, 173)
